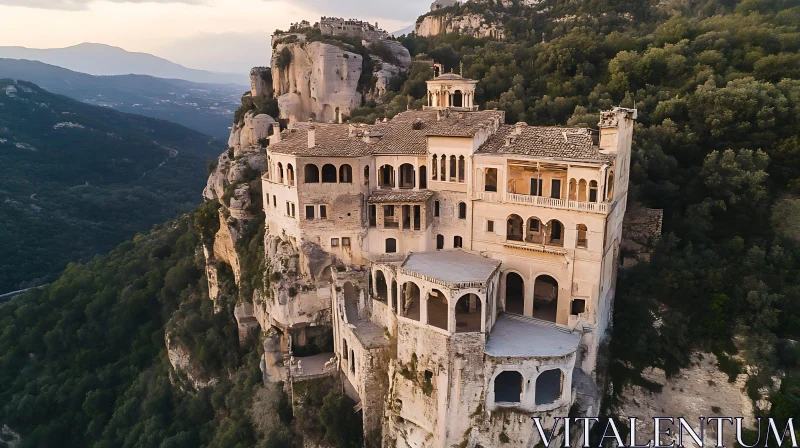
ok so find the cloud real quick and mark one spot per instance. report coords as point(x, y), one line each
point(402, 11)
point(78, 5)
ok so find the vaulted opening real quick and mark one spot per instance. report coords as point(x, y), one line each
point(515, 293)
point(545, 298)
point(468, 313)
point(508, 387)
point(548, 386)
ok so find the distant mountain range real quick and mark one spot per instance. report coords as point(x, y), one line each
point(206, 108)
point(100, 59)
point(79, 179)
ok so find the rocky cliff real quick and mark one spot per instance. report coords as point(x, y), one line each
point(470, 23)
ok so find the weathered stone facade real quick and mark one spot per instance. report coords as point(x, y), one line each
point(465, 267)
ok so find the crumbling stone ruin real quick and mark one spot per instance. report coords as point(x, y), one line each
point(335, 26)
point(454, 273)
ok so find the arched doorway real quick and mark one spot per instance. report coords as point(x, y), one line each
point(380, 286)
point(350, 302)
point(437, 309)
point(468, 313)
point(545, 298)
point(514, 228)
point(411, 301)
point(515, 293)
point(458, 99)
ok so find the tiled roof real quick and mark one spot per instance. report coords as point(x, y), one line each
point(385, 197)
point(545, 141)
point(396, 136)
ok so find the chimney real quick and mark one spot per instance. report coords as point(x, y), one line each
point(518, 127)
point(439, 115)
point(276, 133)
point(351, 130)
point(616, 129)
point(312, 140)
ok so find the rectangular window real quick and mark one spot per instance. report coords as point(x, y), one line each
point(293, 212)
point(578, 306)
point(436, 209)
point(309, 212)
point(373, 216)
point(534, 227)
point(490, 226)
point(536, 187)
point(288, 209)
point(555, 189)
point(346, 241)
point(490, 183)
point(323, 212)
point(274, 201)
point(388, 210)
point(334, 242)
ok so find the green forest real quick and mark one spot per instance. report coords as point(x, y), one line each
point(80, 179)
point(717, 86)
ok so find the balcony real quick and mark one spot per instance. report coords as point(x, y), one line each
point(544, 201)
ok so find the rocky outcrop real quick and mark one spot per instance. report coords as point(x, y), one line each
point(180, 359)
point(399, 61)
point(261, 81)
point(315, 80)
point(700, 389)
point(472, 24)
point(253, 128)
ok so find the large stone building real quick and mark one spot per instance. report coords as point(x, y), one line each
point(467, 267)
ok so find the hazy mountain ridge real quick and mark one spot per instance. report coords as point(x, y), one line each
point(79, 179)
point(100, 59)
point(206, 108)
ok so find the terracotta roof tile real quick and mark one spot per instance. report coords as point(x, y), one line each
point(545, 141)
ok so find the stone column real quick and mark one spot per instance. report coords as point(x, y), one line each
point(396, 180)
point(451, 315)
point(423, 306)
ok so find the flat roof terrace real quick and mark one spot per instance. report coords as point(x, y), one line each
point(520, 336)
point(451, 267)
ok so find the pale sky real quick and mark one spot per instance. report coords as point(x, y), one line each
point(218, 35)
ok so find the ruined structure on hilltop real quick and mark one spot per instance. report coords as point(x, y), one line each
point(465, 267)
point(335, 26)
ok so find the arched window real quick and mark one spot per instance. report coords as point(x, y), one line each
point(462, 167)
point(515, 293)
point(310, 173)
point(381, 287)
point(350, 303)
point(582, 236)
point(443, 169)
point(290, 174)
point(345, 174)
point(328, 174)
point(457, 242)
point(534, 228)
point(391, 245)
point(462, 210)
point(555, 233)
point(490, 183)
point(386, 176)
point(439, 242)
point(366, 175)
point(610, 186)
point(434, 167)
point(452, 169)
point(545, 298)
point(514, 228)
point(593, 191)
point(280, 173)
point(468, 313)
point(548, 386)
point(406, 176)
point(582, 191)
point(508, 387)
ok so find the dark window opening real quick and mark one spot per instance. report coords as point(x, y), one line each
point(457, 243)
point(439, 242)
point(329, 174)
point(373, 215)
point(309, 212)
point(462, 210)
point(435, 209)
point(490, 183)
point(323, 212)
point(578, 306)
point(555, 189)
point(508, 387)
point(536, 187)
point(490, 226)
point(391, 245)
point(548, 386)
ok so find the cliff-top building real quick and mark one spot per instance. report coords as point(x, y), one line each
point(466, 266)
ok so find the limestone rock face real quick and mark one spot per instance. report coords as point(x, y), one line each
point(439, 4)
point(255, 127)
point(225, 246)
point(319, 80)
point(388, 70)
point(180, 359)
point(472, 24)
point(261, 81)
